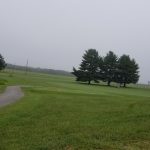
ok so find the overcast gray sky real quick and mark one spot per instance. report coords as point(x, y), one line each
point(55, 33)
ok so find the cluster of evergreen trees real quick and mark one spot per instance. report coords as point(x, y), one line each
point(110, 68)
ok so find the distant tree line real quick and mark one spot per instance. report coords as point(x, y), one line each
point(38, 70)
point(3, 65)
point(111, 68)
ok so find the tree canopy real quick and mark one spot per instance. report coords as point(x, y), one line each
point(127, 70)
point(2, 63)
point(110, 68)
point(88, 69)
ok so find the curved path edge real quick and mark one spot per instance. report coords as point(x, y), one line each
point(11, 95)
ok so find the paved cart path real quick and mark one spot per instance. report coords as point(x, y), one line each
point(10, 95)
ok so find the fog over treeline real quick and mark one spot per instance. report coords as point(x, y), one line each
point(54, 34)
point(26, 69)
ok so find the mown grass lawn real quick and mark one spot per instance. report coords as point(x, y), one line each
point(59, 114)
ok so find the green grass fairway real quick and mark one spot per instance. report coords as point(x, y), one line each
point(59, 114)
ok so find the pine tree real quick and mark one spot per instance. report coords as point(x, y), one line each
point(127, 71)
point(88, 70)
point(109, 67)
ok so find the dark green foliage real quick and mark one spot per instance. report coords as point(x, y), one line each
point(88, 70)
point(2, 63)
point(108, 69)
point(127, 71)
point(100, 74)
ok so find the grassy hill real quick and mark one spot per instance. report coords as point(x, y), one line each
point(58, 113)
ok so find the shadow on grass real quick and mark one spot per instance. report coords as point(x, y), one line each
point(95, 84)
point(105, 85)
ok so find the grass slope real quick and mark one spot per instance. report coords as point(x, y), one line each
point(59, 114)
